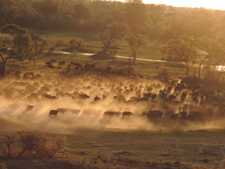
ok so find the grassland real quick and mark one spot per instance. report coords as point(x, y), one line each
point(92, 45)
point(135, 150)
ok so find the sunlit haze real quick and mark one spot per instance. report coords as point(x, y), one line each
point(212, 4)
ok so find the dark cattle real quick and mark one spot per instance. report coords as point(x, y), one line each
point(149, 89)
point(49, 65)
point(49, 97)
point(162, 93)
point(183, 96)
point(111, 113)
point(61, 110)
point(155, 114)
point(119, 98)
point(97, 98)
point(76, 65)
point(183, 114)
point(195, 116)
point(172, 97)
point(53, 113)
point(127, 114)
point(153, 96)
point(174, 117)
point(195, 100)
point(143, 99)
point(147, 95)
point(61, 63)
point(84, 96)
point(51, 50)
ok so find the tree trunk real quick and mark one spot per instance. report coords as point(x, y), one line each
point(9, 150)
point(187, 73)
point(199, 70)
point(134, 57)
point(200, 66)
point(129, 68)
point(2, 69)
point(105, 50)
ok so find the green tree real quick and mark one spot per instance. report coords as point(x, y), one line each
point(46, 7)
point(113, 33)
point(20, 49)
point(135, 41)
point(181, 49)
point(13, 30)
point(208, 48)
point(76, 43)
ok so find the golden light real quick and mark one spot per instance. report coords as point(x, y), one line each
point(220, 68)
point(211, 4)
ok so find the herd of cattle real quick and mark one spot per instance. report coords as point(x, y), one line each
point(111, 97)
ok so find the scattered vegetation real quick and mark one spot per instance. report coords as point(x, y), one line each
point(30, 145)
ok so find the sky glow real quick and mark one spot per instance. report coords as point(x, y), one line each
point(211, 4)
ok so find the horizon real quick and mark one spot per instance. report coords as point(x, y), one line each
point(210, 4)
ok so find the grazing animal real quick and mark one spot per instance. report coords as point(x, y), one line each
point(49, 96)
point(155, 114)
point(172, 97)
point(153, 96)
point(61, 63)
point(51, 50)
point(183, 114)
point(49, 65)
point(61, 110)
point(127, 114)
point(97, 98)
point(111, 113)
point(53, 113)
point(174, 116)
point(84, 96)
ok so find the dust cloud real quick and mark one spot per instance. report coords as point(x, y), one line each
point(55, 103)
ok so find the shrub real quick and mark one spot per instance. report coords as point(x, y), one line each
point(30, 145)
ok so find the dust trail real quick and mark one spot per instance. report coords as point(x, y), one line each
point(82, 102)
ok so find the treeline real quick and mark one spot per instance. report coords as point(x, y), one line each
point(159, 21)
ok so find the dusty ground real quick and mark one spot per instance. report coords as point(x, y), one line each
point(88, 148)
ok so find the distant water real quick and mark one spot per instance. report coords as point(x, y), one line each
point(220, 68)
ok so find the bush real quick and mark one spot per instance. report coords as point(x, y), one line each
point(163, 72)
point(30, 145)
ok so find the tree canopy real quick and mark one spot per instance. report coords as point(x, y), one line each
point(182, 49)
point(20, 49)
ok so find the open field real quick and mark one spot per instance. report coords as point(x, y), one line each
point(94, 45)
point(135, 150)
